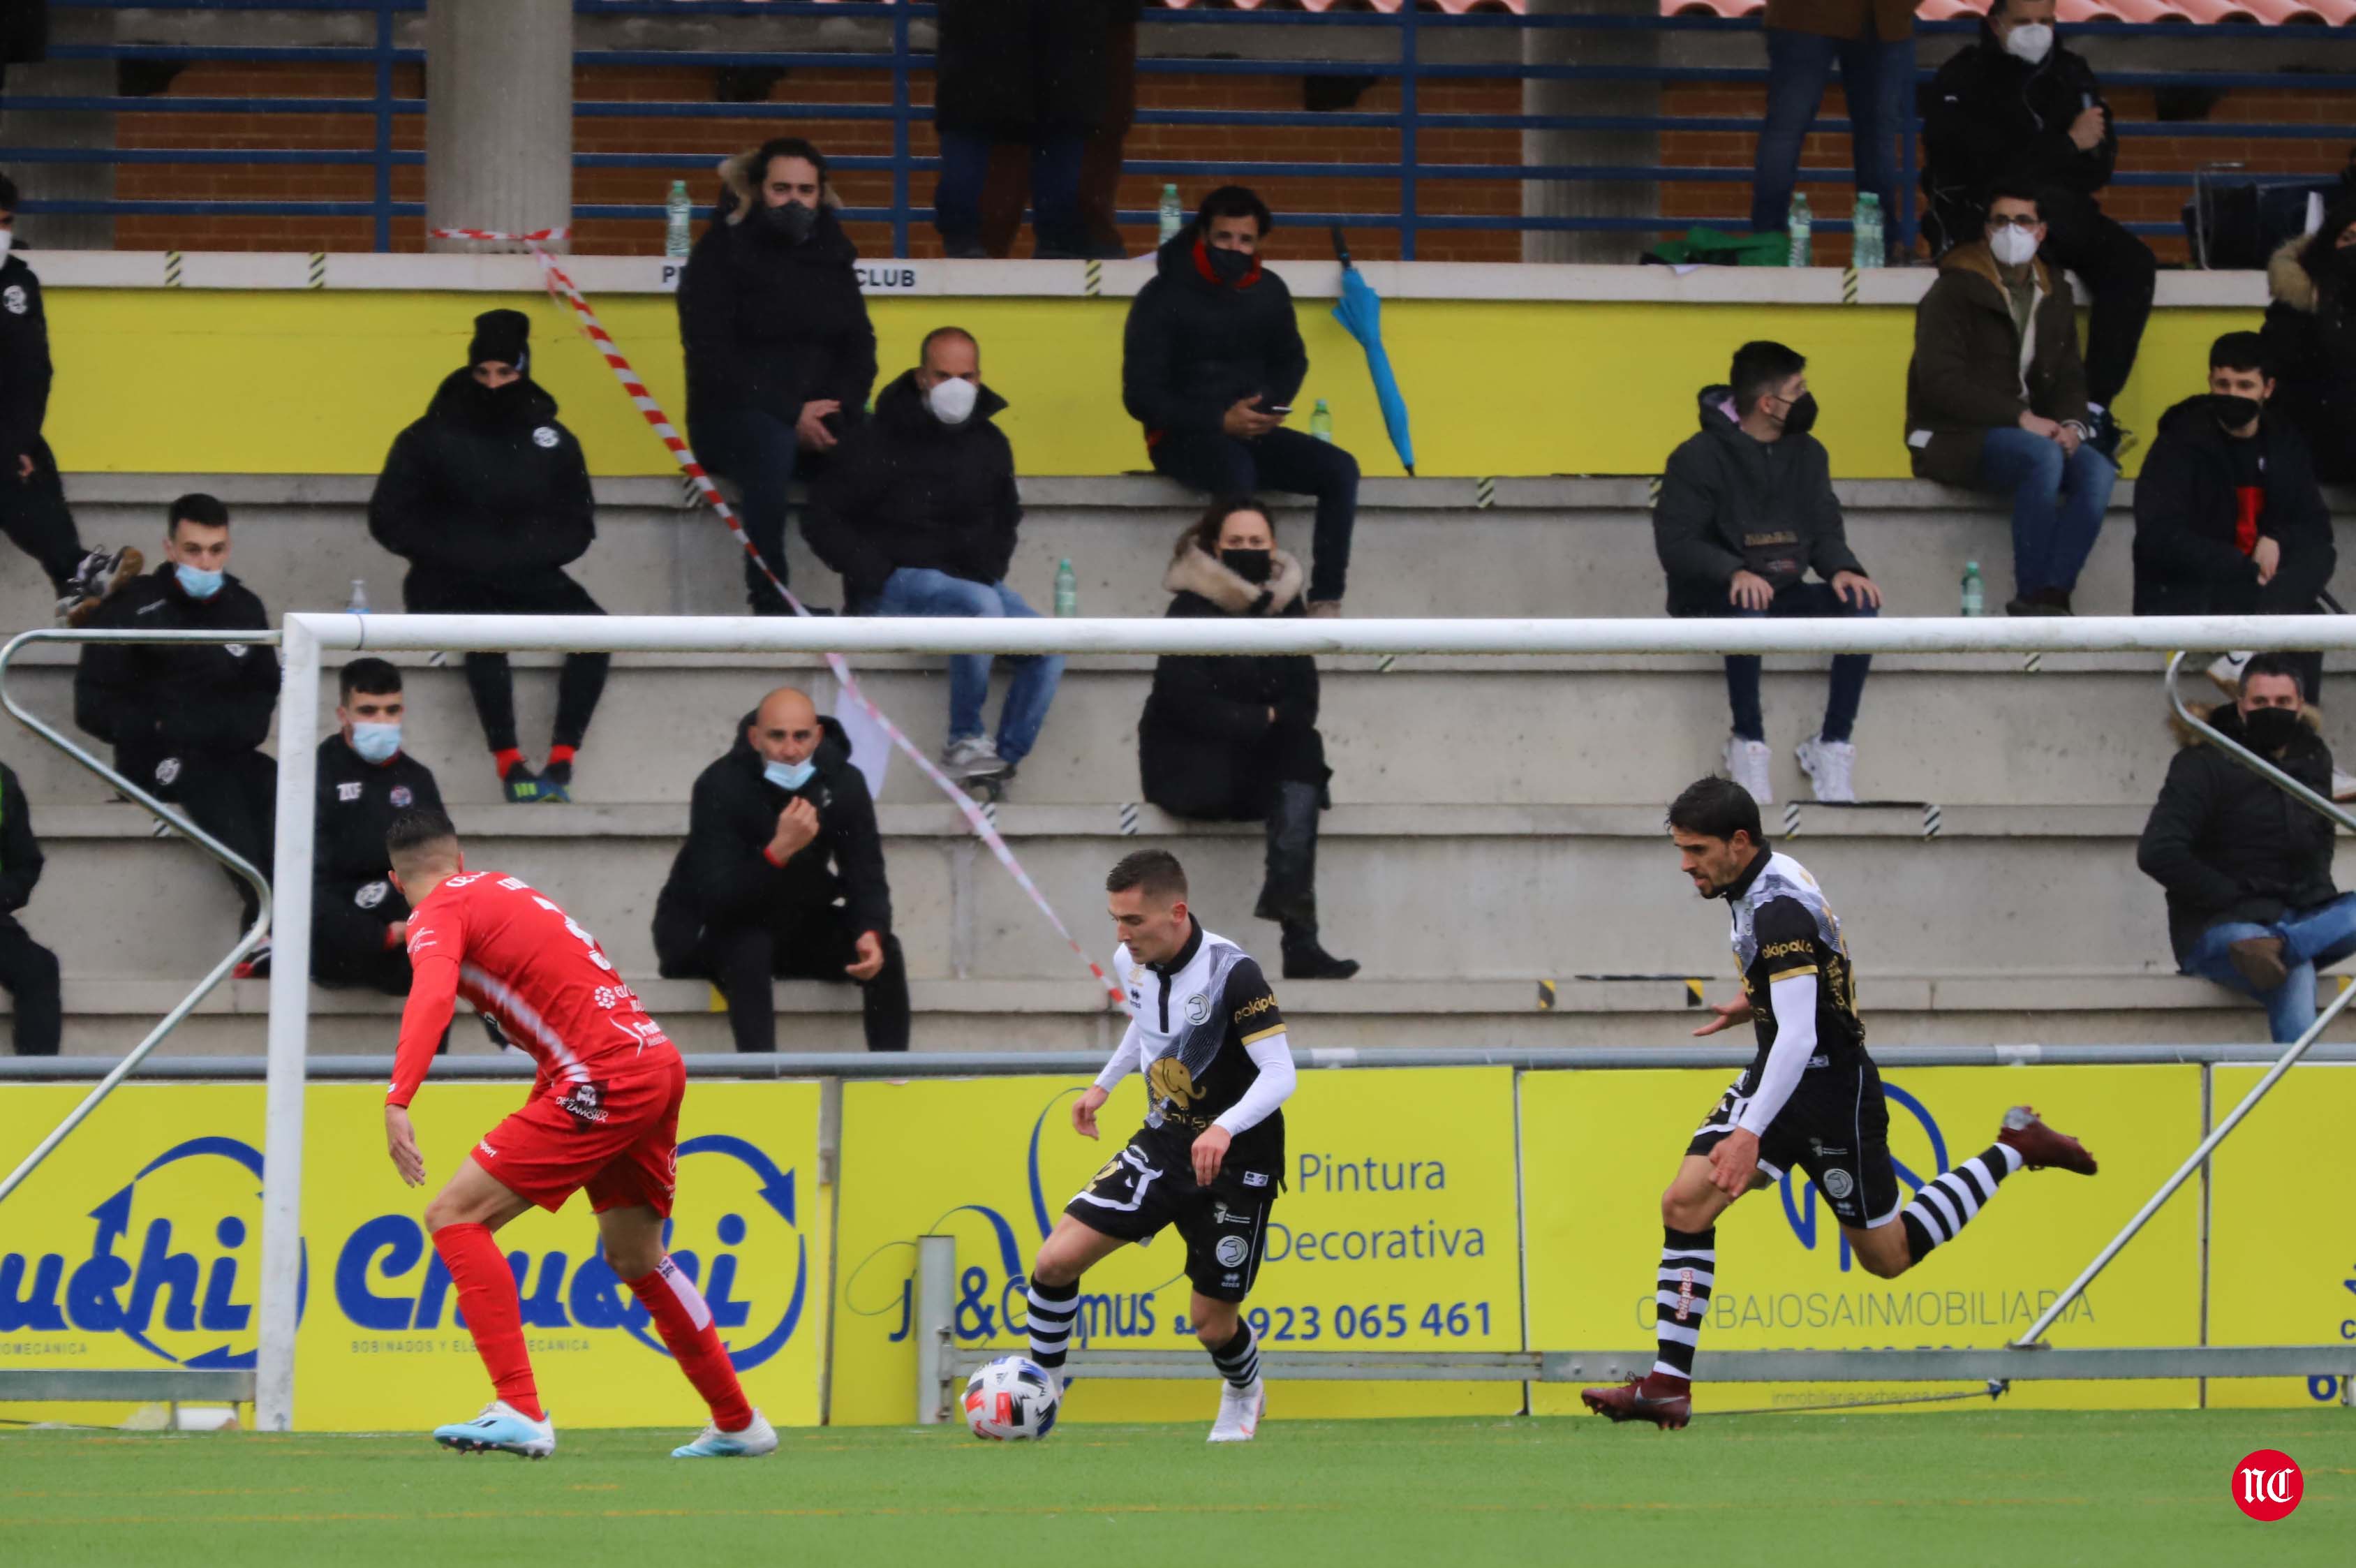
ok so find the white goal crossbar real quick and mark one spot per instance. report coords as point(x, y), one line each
point(308, 638)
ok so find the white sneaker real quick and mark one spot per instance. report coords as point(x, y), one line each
point(1746, 764)
point(1829, 765)
point(1239, 1411)
point(2226, 672)
point(2343, 785)
point(503, 1427)
point(974, 758)
point(750, 1443)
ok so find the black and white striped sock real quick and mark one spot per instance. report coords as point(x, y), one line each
point(1053, 1307)
point(1688, 1271)
point(1238, 1359)
point(1948, 1202)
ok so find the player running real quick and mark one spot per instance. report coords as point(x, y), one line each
point(1205, 1028)
point(1811, 1099)
point(604, 1115)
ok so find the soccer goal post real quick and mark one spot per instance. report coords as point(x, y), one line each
point(308, 638)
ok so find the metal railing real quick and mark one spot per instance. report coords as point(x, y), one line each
point(1411, 69)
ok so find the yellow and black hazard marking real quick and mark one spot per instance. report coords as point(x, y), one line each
point(1485, 493)
point(1092, 279)
point(1652, 490)
point(1546, 995)
point(318, 275)
point(171, 269)
point(1849, 285)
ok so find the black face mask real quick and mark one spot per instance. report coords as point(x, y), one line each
point(2342, 264)
point(1801, 417)
point(1251, 565)
point(792, 222)
point(2234, 413)
point(2270, 729)
point(1228, 266)
point(494, 405)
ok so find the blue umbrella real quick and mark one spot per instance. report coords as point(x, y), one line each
point(1360, 310)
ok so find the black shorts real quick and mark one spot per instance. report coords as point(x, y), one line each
point(1835, 1127)
point(1150, 1184)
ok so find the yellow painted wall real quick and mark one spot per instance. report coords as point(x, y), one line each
point(186, 380)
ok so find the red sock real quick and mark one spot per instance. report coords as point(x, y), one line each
point(557, 754)
point(506, 758)
point(486, 1294)
point(685, 1323)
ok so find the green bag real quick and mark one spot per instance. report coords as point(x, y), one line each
point(1705, 246)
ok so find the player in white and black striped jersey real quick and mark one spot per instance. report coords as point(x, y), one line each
point(1811, 1098)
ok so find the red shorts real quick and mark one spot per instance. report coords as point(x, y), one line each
point(617, 1136)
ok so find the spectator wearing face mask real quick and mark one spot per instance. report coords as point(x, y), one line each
point(2310, 340)
point(1747, 512)
point(2247, 868)
point(919, 515)
point(780, 355)
point(187, 721)
point(782, 875)
point(359, 921)
point(1996, 400)
point(488, 498)
point(2019, 111)
point(1234, 737)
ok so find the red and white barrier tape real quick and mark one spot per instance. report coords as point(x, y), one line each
point(561, 286)
point(536, 237)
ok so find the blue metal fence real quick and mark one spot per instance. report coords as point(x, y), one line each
point(1410, 69)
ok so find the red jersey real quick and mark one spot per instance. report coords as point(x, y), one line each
point(515, 955)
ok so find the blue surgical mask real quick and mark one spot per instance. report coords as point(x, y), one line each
point(788, 775)
point(375, 743)
point(197, 583)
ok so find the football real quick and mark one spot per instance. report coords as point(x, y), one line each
point(1012, 1398)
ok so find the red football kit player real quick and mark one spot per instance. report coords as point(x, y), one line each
point(602, 1116)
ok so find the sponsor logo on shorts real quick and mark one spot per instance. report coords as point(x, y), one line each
point(1232, 1280)
point(1255, 1178)
point(1839, 1184)
point(1231, 1252)
point(1222, 1215)
point(585, 1104)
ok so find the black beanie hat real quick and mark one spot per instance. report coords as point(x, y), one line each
point(504, 336)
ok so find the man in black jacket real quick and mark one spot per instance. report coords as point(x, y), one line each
point(1747, 510)
point(780, 354)
point(1210, 364)
point(187, 721)
point(2019, 108)
point(33, 512)
point(778, 830)
point(488, 498)
point(2247, 868)
point(920, 516)
point(359, 921)
point(29, 972)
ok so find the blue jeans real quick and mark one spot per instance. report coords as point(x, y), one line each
point(757, 453)
point(1876, 78)
point(1056, 225)
point(921, 591)
point(2058, 504)
point(2313, 939)
point(1805, 601)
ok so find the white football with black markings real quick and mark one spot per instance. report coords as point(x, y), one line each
point(1011, 1398)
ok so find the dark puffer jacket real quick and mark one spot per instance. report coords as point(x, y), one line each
point(353, 899)
point(1730, 503)
point(771, 325)
point(2229, 845)
point(1206, 745)
point(486, 484)
point(908, 490)
point(1990, 117)
point(159, 700)
point(1016, 70)
point(2310, 339)
point(2187, 505)
point(25, 369)
point(1966, 377)
point(1196, 345)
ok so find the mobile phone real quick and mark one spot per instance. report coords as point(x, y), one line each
point(1280, 408)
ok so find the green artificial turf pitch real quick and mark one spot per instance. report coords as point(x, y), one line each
point(1982, 1489)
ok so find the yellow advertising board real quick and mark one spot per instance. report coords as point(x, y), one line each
point(2270, 1284)
point(1395, 1230)
point(1600, 1146)
point(138, 1244)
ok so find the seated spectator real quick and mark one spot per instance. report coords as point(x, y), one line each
point(187, 721)
point(1234, 737)
point(1747, 510)
point(2247, 868)
point(1995, 399)
point(359, 921)
point(782, 875)
point(2228, 517)
point(780, 356)
point(29, 972)
point(919, 515)
point(488, 500)
point(2310, 340)
point(1033, 79)
point(2018, 112)
point(1210, 365)
point(1872, 41)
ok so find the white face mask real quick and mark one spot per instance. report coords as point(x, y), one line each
point(2013, 246)
point(952, 400)
point(2030, 41)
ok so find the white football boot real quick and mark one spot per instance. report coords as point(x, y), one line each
point(750, 1443)
point(503, 1427)
point(1239, 1411)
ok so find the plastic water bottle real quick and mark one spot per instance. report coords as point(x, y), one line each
point(1804, 222)
point(1067, 589)
point(358, 604)
point(1975, 595)
point(1321, 423)
point(1865, 226)
point(1174, 216)
point(679, 213)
